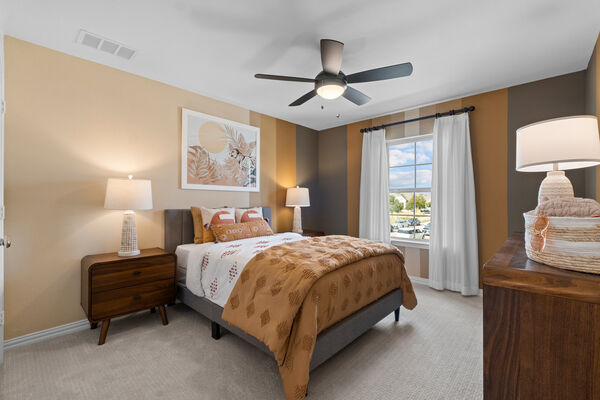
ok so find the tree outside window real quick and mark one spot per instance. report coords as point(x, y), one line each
point(410, 161)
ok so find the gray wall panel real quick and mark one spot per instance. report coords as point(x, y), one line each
point(536, 101)
point(590, 108)
point(333, 181)
point(307, 173)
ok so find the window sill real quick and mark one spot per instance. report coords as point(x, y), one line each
point(419, 244)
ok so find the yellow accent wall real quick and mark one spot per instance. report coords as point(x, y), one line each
point(286, 172)
point(489, 147)
point(70, 125)
point(268, 165)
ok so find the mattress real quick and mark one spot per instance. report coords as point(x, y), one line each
point(211, 270)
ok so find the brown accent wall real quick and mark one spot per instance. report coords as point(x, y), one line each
point(592, 107)
point(597, 75)
point(307, 173)
point(333, 181)
point(354, 140)
point(560, 96)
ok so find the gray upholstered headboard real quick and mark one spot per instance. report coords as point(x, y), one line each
point(179, 227)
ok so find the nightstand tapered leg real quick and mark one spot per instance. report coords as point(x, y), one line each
point(103, 331)
point(153, 310)
point(93, 325)
point(163, 314)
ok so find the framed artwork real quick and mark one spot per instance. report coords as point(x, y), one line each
point(218, 154)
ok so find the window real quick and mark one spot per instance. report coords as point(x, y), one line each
point(410, 171)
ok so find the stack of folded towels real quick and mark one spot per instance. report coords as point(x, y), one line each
point(569, 207)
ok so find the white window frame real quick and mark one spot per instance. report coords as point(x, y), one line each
point(405, 242)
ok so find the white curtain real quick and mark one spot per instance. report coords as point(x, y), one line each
point(374, 218)
point(453, 262)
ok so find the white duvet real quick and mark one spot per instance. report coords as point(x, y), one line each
point(213, 268)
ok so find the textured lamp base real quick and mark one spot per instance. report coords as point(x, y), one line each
point(129, 244)
point(555, 185)
point(297, 220)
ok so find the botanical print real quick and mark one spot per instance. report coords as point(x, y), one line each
point(218, 154)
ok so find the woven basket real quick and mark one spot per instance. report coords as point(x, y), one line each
point(571, 243)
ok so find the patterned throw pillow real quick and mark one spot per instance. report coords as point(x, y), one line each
point(204, 218)
point(248, 214)
point(242, 230)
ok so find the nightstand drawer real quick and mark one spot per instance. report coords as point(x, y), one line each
point(115, 302)
point(133, 272)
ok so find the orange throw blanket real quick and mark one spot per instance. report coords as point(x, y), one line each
point(289, 293)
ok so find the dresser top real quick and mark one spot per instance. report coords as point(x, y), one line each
point(510, 268)
point(90, 260)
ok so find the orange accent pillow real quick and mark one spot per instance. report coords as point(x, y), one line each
point(248, 214)
point(205, 217)
point(197, 219)
point(242, 230)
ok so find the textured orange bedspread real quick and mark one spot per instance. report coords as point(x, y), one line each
point(288, 294)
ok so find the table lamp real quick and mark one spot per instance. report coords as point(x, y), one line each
point(556, 145)
point(297, 197)
point(128, 195)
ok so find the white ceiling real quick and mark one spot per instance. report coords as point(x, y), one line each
point(215, 47)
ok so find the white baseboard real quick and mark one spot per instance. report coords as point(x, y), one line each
point(425, 281)
point(417, 279)
point(47, 334)
point(60, 330)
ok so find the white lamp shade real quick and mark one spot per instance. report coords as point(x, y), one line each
point(570, 142)
point(128, 194)
point(297, 197)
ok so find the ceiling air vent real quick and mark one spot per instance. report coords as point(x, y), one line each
point(105, 45)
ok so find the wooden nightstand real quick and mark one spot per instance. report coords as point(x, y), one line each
point(112, 286)
point(312, 233)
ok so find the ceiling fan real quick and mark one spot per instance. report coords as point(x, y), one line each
point(332, 83)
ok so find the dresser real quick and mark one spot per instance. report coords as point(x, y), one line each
point(112, 286)
point(541, 329)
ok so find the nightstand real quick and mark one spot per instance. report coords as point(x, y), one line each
point(112, 286)
point(312, 233)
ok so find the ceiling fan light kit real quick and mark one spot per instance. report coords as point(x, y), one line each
point(332, 83)
point(330, 87)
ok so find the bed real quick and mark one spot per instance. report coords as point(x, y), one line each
point(210, 302)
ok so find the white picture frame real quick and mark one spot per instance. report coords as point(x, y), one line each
point(218, 154)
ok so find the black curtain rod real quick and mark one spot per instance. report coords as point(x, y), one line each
point(437, 115)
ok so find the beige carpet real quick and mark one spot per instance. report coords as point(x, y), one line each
point(434, 352)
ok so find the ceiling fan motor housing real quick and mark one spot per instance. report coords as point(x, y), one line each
point(330, 86)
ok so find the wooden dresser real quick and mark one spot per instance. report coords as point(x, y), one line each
point(112, 286)
point(541, 329)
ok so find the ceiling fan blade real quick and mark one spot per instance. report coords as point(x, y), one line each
point(284, 78)
point(331, 55)
point(355, 96)
point(380, 74)
point(304, 98)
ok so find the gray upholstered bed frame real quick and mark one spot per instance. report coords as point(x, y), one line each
point(179, 229)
